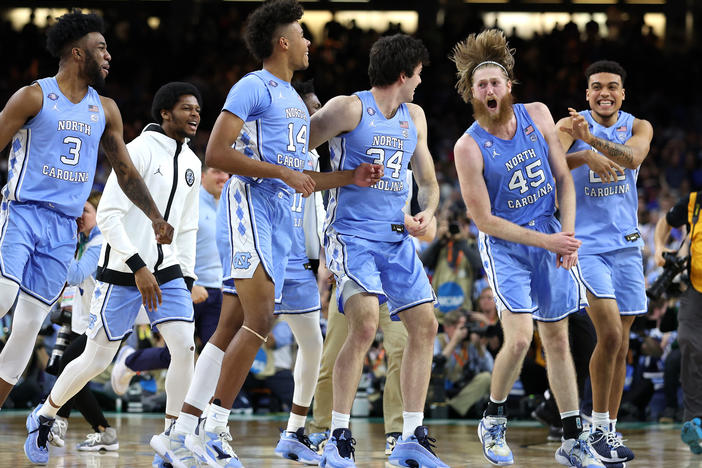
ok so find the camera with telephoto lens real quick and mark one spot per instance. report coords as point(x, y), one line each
point(59, 317)
point(673, 266)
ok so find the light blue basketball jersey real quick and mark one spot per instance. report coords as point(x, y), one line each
point(517, 172)
point(276, 124)
point(373, 212)
point(297, 260)
point(606, 211)
point(53, 156)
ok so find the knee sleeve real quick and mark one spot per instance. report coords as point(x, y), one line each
point(98, 354)
point(178, 336)
point(206, 376)
point(305, 328)
point(26, 323)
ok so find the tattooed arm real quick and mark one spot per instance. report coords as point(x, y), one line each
point(630, 154)
point(130, 181)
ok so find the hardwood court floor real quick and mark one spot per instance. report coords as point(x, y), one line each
point(656, 446)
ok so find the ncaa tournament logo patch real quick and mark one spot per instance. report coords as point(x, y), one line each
point(189, 177)
point(273, 83)
point(370, 111)
point(488, 144)
point(621, 133)
point(52, 96)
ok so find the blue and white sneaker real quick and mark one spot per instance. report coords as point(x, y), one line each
point(159, 463)
point(691, 434)
point(609, 448)
point(38, 428)
point(297, 446)
point(339, 451)
point(214, 448)
point(416, 451)
point(171, 447)
point(578, 453)
point(391, 441)
point(318, 439)
point(491, 431)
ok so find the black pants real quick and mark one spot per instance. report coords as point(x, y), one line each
point(84, 401)
point(690, 341)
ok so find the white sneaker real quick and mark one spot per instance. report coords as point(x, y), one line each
point(58, 432)
point(171, 447)
point(214, 448)
point(121, 374)
point(100, 441)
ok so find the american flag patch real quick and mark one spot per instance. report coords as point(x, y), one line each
point(92, 108)
point(528, 130)
point(622, 128)
point(404, 124)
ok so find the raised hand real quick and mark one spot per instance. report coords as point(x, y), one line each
point(580, 129)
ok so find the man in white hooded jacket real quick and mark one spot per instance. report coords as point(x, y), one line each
point(132, 263)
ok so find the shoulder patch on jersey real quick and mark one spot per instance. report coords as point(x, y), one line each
point(488, 144)
point(370, 111)
point(273, 83)
point(52, 96)
point(189, 177)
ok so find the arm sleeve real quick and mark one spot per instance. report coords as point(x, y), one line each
point(186, 238)
point(677, 216)
point(248, 98)
point(79, 270)
point(114, 205)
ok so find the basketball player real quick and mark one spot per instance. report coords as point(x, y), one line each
point(261, 136)
point(56, 125)
point(606, 147)
point(367, 246)
point(510, 166)
point(130, 259)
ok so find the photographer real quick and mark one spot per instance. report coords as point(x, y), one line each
point(454, 259)
point(467, 363)
point(686, 212)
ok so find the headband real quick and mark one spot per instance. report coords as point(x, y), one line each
point(489, 62)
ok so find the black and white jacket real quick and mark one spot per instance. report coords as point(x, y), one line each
point(171, 172)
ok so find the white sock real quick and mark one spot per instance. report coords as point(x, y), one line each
point(218, 418)
point(613, 426)
point(339, 421)
point(295, 422)
point(600, 421)
point(47, 410)
point(410, 422)
point(186, 423)
point(168, 423)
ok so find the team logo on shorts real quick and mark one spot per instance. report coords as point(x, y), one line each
point(52, 96)
point(242, 260)
point(189, 177)
point(273, 83)
point(370, 111)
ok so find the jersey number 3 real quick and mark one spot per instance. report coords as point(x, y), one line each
point(74, 144)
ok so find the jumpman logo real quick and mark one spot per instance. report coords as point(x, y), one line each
point(158, 171)
point(495, 153)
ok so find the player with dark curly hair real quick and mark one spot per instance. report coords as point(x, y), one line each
point(60, 121)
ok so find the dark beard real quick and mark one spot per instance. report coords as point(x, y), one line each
point(94, 73)
point(482, 114)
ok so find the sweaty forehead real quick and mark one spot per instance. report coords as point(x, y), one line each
point(605, 78)
point(488, 73)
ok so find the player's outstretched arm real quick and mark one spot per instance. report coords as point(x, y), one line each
point(22, 106)
point(130, 181)
point(221, 155)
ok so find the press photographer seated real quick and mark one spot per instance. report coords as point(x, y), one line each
point(460, 354)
